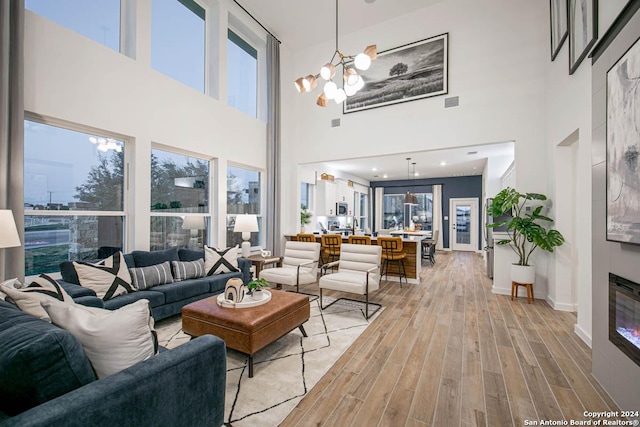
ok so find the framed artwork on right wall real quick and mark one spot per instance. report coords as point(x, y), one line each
point(558, 9)
point(583, 30)
point(623, 148)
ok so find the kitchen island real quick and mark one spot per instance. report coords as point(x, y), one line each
point(412, 263)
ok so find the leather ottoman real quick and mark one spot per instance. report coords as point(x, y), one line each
point(248, 329)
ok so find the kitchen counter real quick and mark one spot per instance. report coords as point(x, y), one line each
point(412, 263)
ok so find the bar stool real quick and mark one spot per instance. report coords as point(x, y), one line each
point(302, 237)
point(392, 252)
point(359, 240)
point(330, 247)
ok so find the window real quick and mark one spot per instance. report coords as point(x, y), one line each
point(98, 20)
point(363, 209)
point(179, 201)
point(395, 211)
point(306, 195)
point(242, 75)
point(243, 196)
point(178, 40)
point(74, 205)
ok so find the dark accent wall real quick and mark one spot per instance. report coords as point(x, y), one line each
point(456, 188)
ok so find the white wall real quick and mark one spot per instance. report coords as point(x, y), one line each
point(73, 79)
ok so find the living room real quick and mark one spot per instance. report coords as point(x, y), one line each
point(499, 67)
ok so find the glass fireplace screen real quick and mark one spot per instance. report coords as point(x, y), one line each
point(624, 315)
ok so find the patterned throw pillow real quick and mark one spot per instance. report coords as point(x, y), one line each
point(183, 270)
point(220, 260)
point(42, 288)
point(108, 278)
point(147, 277)
point(112, 340)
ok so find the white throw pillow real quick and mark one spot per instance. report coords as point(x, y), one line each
point(220, 260)
point(28, 298)
point(107, 278)
point(15, 283)
point(112, 340)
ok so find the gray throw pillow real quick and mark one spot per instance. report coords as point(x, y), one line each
point(183, 270)
point(154, 275)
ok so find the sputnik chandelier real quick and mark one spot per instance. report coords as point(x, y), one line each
point(353, 82)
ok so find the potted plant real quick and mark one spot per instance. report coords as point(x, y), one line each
point(527, 231)
point(255, 286)
point(305, 217)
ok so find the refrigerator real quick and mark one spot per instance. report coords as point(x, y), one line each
point(489, 236)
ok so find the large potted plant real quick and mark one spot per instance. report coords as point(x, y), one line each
point(527, 229)
point(305, 217)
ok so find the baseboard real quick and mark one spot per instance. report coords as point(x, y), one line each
point(562, 306)
point(503, 291)
point(582, 334)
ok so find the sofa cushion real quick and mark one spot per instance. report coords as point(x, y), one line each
point(29, 297)
point(108, 278)
point(183, 270)
point(190, 254)
point(217, 282)
point(182, 290)
point(38, 361)
point(220, 260)
point(156, 299)
point(146, 258)
point(70, 275)
point(147, 277)
point(112, 340)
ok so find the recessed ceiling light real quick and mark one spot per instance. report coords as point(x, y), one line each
point(374, 169)
point(475, 167)
point(443, 163)
point(416, 174)
point(385, 176)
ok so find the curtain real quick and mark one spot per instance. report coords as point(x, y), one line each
point(272, 223)
point(12, 128)
point(437, 213)
point(379, 208)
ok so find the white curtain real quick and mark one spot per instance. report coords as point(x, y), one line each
point(12, 127)
point(272, 223)
point(437, 213)
point(379, 208)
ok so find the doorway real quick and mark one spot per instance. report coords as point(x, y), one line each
point(464, 224)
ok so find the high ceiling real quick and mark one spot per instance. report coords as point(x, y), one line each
point(300, 23)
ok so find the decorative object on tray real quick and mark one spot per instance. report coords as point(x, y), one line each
point(525, 229)
point(405, 73)
point(255, 287)
point(247, 301)
point(265, 253)
point(558, 25)
point(234, 290)
point(623, 148)
point(583, 30)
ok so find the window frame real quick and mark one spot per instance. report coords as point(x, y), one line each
point(239, 39)
point(261, 215)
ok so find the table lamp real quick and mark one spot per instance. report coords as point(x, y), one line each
point(195, 224)
point(246, 224)
point(9, 237)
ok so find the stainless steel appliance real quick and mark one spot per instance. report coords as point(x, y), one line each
point(342, 208)
point(488, 219)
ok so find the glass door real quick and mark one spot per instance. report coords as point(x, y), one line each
point(464, 224)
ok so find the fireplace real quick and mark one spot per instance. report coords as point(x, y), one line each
point(624, 316)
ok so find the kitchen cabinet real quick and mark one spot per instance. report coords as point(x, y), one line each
point(326, 197)
point(345, 194)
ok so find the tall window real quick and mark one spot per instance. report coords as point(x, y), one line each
point(98, 20)
point(243, 196)
point(393, 211)
point(74, 204)
point(242, 75)
point(363, 210)
point(397, 214)
point(178, 40)
point(179, 200)
point(306, 195)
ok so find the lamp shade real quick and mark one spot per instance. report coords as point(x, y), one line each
point(9, 237)
point(193, 223)
point(246, 223)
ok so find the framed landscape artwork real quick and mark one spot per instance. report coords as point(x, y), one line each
point(558, 25)
point(406, 73)
point(583, 29)
point(623, 148)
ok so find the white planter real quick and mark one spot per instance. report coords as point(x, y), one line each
point(258, 295)
point(523, 273)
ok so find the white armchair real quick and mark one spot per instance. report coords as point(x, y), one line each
point(299, 265)
point(358, 272)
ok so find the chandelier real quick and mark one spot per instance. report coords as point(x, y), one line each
point(353, 82)
point(410, 198)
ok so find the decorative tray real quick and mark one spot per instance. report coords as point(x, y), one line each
point(246, 302)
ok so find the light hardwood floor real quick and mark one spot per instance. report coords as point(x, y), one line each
point(449, 352)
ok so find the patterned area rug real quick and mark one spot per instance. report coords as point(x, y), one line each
point(287, 369)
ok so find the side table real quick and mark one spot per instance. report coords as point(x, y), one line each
point(259, 262)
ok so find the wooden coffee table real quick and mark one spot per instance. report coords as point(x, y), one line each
point(248, 329)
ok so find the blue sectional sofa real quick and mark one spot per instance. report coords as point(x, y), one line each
point(46, 380)
point(165, 300)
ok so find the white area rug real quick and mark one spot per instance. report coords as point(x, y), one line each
point(287, 369)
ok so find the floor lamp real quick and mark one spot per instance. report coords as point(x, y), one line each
point(9, 237)
point(246, 224)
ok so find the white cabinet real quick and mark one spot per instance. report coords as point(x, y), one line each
point(326, 197)
point(345, 194)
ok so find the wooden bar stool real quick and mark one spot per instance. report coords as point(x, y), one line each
point(528, 286)
point(359, 240)
point(392, 252)
point(302, 237)
point(330, 247)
